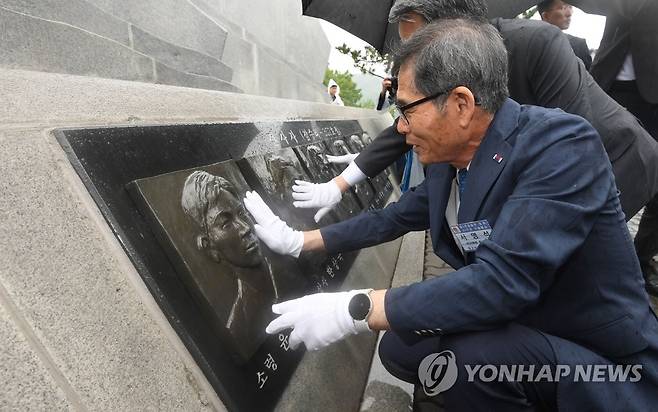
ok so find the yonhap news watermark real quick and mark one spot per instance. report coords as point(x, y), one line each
point(438, 372)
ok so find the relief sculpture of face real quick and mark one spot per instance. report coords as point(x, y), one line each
point(357, 143)
point(283, 174)
point(342, 147)
point(226, 232)
point(318, 158)
point(230, 233)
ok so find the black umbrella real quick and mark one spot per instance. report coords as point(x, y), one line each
point(368, 19)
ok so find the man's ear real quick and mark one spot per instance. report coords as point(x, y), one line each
point(202, 242)
point(465, 100)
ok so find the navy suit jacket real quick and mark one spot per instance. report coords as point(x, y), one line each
point(559, 259)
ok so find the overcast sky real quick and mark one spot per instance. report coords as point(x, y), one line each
point(588, 26)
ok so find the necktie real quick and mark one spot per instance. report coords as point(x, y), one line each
point(462, 174)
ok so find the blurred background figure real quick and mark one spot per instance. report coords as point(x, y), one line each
point(334, 93)
point(558, 13)
point(626, 67)
point(387, 95)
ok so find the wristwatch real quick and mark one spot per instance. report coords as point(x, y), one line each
point(359, 308)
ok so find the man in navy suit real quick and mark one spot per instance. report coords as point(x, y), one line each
point(522, 201)
point(543, 71)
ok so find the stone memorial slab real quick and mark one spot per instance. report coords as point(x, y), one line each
point(364, 190)
point(381, 183)
point(272, 175)
point(198, 217)
point(314, 160)
point(173, 194)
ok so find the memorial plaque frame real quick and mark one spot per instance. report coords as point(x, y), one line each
point(108, 159)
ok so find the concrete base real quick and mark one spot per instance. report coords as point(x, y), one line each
point(78, 327)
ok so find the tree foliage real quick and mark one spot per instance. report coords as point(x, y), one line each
point(529, 13)
point(349, 92)
point(367, 59)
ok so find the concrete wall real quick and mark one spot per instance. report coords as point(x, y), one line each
point(258, 47)
point(78, 328)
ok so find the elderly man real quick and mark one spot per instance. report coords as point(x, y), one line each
point(544, 72)
point(522, 201)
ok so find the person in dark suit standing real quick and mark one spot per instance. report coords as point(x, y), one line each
point(521, 200)
point(558, 13)
point(626, 66)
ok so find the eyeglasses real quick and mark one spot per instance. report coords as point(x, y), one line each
point(402, 109)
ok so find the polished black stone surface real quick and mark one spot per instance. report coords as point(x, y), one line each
point(381, 183)
point(129, 171)
point(364, 191)
point(313, 158)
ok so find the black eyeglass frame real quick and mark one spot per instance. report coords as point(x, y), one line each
point(402, 109)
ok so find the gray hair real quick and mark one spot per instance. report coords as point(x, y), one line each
point(457, 52)
point(439, 9)
point(199, 191)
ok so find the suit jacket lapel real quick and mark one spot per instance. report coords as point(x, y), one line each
point(489, 161)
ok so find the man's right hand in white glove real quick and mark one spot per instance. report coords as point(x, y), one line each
point(276, 234)
point(316, 195)
point(317, 320)
point(344, 159)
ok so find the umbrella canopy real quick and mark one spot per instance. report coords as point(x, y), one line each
point(368, 19)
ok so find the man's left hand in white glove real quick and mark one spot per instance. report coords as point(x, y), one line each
point(276, 234)
point(323, 318)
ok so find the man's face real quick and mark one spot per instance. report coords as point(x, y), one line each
point(283, 174)
point(433, 132)
point(229, 232)
point(341, 147)
point(357, 143)
point(409, 23)
point(332, 90)
point(317, 157)
point(559, 14)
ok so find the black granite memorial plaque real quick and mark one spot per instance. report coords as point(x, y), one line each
point(199, 219)
point(272, 176)
point(382, 182)
point(314, 160)
point(137, 176)
point(363, 190)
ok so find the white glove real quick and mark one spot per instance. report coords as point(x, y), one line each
point(278, 236)
point(312, 195)
point(317, 320)
point(344, 159)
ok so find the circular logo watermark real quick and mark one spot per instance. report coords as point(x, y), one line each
point(438, 372)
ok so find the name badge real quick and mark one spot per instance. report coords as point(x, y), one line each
point(469, 235)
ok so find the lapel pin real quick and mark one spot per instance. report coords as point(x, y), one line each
point(498, 158)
